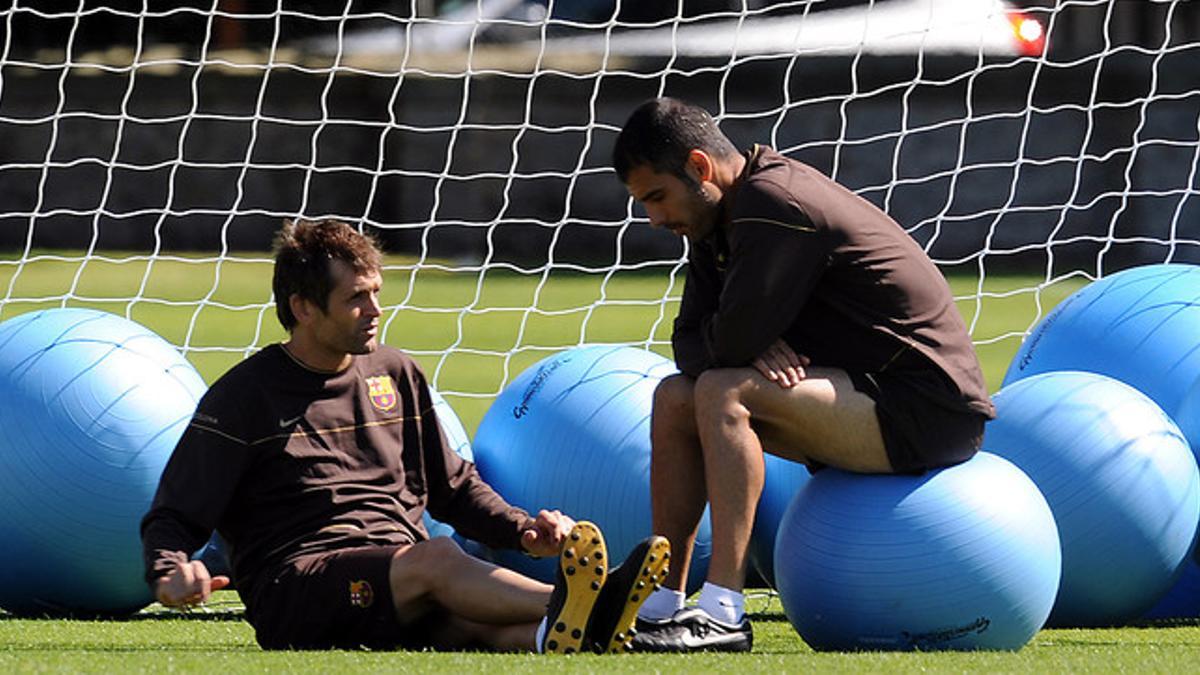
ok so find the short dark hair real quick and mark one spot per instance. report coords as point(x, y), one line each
point(661, 132)
point(303, 251)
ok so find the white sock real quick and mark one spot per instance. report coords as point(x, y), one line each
point(540, 635)
point(722, 603)
point(662, 604)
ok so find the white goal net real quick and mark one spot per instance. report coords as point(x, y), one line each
point(149, 150)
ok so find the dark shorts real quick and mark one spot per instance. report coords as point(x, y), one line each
point(332, 600)
point(919, 433)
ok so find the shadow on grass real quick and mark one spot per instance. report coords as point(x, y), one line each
point(153, 613)
point(1188, 622)
point(57, 648)
point(768, 615)
point(1061, 636)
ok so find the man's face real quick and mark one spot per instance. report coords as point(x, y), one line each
point(688, 210)
point(350, 323)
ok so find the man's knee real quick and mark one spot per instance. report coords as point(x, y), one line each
point(426, 562)
point(674, 398)
point(721, 392)
point(418, 572)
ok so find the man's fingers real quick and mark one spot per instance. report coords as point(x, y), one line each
point(534, 540)
point(538, 543)
point(761, 366)
point(203, 583)
point(560, 526)
point(189, 584)
point(779, 376)
point(793, 358)
point(782, 367)
point(769, 360)
point(549, 520)
point(551, 524)
point(781, 364)
point(794, 363)
point(783, 355)
point(195, 585)
point(790, 378)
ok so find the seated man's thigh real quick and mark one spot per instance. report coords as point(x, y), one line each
point(870, 422)
point(823, 420)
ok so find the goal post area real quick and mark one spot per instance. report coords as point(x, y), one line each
point(150, 150)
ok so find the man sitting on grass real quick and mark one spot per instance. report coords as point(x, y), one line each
point(315, 460)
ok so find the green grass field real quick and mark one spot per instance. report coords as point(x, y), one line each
point(215, 639)
point(473, 333)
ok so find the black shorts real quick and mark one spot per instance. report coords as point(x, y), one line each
point(919, 433)
point(337, 600)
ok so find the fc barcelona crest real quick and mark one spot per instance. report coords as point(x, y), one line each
point(361, 594)
point(382, 391)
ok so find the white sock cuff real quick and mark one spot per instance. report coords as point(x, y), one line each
point(662, 604)
point(723, 604)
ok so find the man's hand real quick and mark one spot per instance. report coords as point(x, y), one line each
point(188, 584)
point(781, 365)
point(548, 533)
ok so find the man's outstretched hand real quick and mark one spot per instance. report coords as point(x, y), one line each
point(188, 584)
point(548, 533)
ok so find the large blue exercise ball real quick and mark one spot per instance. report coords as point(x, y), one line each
point(965, 557)
point(572, 432)
point(1121, 482)
point(459, 441)
point(1142, 327)
point(91, 406)
point(782, 480)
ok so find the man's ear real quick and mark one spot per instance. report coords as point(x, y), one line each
point(301, 309)
point(700, 165)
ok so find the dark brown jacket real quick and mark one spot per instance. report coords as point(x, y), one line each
point(800, 257)
point(284, 462)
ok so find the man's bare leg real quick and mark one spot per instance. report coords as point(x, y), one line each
point(738, 412)
point(733, 465)
point(677, 488)
point(822, 419)
point(437, 573)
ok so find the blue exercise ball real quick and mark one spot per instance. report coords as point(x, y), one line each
point(965, 557)
point(1142, 327)
point(91, 406)
point(459, 440)
point(782, 479)
point(1120, 479)
point(572, 433)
